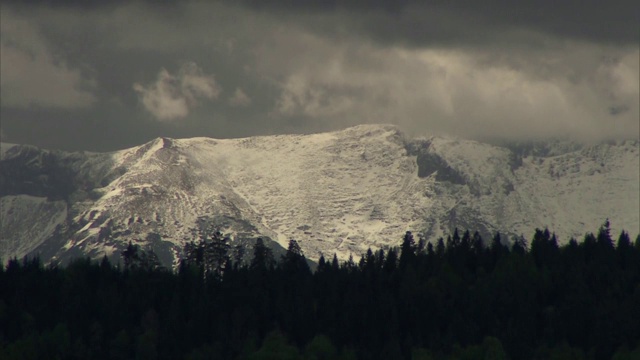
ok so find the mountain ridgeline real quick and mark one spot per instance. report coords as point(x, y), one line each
point(340, 192)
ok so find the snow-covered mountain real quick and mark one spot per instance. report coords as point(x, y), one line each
point(338, 192)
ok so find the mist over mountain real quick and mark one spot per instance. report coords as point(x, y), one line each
point(339, 192)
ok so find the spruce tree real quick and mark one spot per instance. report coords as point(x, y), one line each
point(293, 261)
point(262, 257)
point(407, 250)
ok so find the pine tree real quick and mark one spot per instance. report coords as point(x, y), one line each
point(216, 254)
point(604, 239)
point(456, 238)
point(193, 254)
point(322, 263)
point(477, 244)
point(407, 250)
point(335, 265)
point(440, 248)
point(293, 261)
point(624, 241)
point(349, 265)
point(262, 257)
point(380, 259)
point(391, 263)
point(130, 256)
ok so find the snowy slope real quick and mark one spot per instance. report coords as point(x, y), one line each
point(338, 192)
point(34, 218)
point(569, 193)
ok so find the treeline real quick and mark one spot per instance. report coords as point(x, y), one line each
point(459, 298)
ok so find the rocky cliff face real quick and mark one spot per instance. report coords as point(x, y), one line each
point(338, 192)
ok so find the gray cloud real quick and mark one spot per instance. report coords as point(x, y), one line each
point(425, 22)
point(239, 98)
point(31, 75)
point(171, 97)
point(454, 68)
point(565, 89)
point(422, 22)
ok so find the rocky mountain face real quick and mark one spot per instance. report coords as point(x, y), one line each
point(340, 192)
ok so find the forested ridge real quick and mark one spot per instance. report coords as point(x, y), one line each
point(462, 297)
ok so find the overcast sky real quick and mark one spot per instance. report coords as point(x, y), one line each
point(104, 75)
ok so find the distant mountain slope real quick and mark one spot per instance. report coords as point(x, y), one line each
point(338, 192)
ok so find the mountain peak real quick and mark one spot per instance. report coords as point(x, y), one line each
point(371, 130)
point(339, 192)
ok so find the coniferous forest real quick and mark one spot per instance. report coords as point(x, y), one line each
point(462, 297)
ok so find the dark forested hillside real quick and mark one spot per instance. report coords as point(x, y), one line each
point(463, 297)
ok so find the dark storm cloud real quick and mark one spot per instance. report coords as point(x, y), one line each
point(425, 22)
point(88, 4)
point(420, 22)
point(51, 51)
point(103, 75)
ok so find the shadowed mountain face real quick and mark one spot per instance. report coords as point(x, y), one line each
point(338, 192)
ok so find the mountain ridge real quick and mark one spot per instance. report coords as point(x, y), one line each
point(338, 192)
